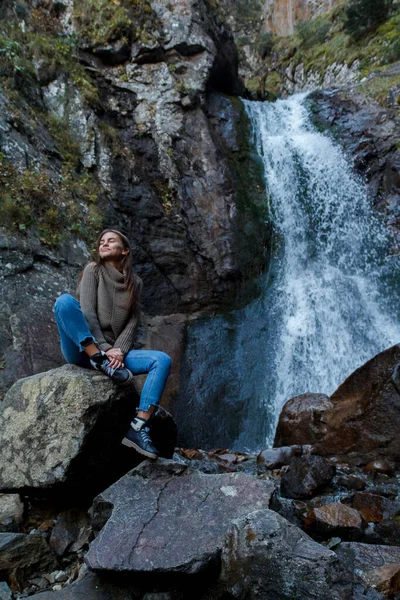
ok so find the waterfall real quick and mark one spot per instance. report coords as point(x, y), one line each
point(330, 297)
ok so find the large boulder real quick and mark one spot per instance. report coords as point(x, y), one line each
point(166, 519)
point(267, 557)
point(360, 422)
point(63, 428)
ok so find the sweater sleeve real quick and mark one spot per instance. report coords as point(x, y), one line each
point(126, 337)
point(88, 300)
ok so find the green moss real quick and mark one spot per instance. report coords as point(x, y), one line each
point(378, 88)
point(252, 218)
point(101, 22)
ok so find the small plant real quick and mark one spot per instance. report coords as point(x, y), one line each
point(365, 16)
point(313, 32)
point(265, 44)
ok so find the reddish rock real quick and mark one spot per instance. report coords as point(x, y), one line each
point(302, 420)
point(274, 458)
point(379, 466)
point(334, 519)
point(373, 508)
point(305, 476)
point(361, 420)
point(385, 579)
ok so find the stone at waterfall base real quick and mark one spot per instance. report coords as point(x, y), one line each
point(359, 423)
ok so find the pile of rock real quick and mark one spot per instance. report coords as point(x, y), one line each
point(288, 524)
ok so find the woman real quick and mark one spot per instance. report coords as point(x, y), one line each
point(98, 331)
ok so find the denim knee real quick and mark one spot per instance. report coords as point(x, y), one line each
point(164, 361)
point(64, 302)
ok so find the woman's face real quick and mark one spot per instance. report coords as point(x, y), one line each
point(111, 247)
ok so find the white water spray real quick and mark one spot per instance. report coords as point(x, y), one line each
point(330, 305)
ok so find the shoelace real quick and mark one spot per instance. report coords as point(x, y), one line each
point(108, 369)
point(144, 432)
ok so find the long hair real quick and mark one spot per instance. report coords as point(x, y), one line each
point(131, 281)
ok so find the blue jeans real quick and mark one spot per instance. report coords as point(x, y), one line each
point(75, 335)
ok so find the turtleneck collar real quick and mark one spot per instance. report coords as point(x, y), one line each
point(114, 274)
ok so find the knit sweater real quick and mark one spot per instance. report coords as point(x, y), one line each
point(105, 305)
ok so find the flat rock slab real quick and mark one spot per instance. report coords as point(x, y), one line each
point(367, 557)
point(164, 518)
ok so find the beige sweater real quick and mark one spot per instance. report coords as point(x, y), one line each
point(105, 304)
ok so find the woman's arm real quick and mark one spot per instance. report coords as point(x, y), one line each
point(125, 339)
point(88, 301)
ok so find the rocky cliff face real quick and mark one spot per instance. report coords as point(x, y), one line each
point(112, 117)
point(281, 16)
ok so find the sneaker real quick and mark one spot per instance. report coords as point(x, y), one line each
point(138, 438)
point(101, 362)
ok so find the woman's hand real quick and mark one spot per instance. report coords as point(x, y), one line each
point(116, 358)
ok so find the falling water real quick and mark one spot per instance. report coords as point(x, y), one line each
point(330, 299)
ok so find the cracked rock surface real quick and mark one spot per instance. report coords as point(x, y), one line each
point(169, 519)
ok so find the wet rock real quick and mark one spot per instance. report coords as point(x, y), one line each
point(379, 466)
point(264, 556)
point(334, 519)
point(166, 504)
point(11, 512)
point(274, 458)
point(22, 556)
point(302, 420)
point(363, 421)
point(305, 476)
point(71, 532)
point(63, 427)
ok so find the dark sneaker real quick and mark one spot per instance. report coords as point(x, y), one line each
point(101, 362)
point(138, 438)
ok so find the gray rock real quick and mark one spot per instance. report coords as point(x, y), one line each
point(305, 476)
point(166, 505)
point(63, 427)
point(71, 531)
point(5, 592)
point(265, 556)
point(274, 458)
point(23, 556)
point(363, 558)
point(91, 587)
point(11, 512)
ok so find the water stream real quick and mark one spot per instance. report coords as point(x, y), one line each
point(330, 296)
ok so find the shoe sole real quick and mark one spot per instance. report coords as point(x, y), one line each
point(126, 442)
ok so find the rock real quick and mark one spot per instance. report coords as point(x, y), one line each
point(373, 508)
point(91, 587)
point(385, 579)
point(360, 421)
point(22, 556)
point(71, 532)
point(264, 556)
point(334, 519)
point(5, 592)
point(366, 403)
point(165, 504)
point(274, 458)
point(11, 512)
point(379, 466)
point(305, 476)
point(377, 566)
point(63, 427)
point(302, 420)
